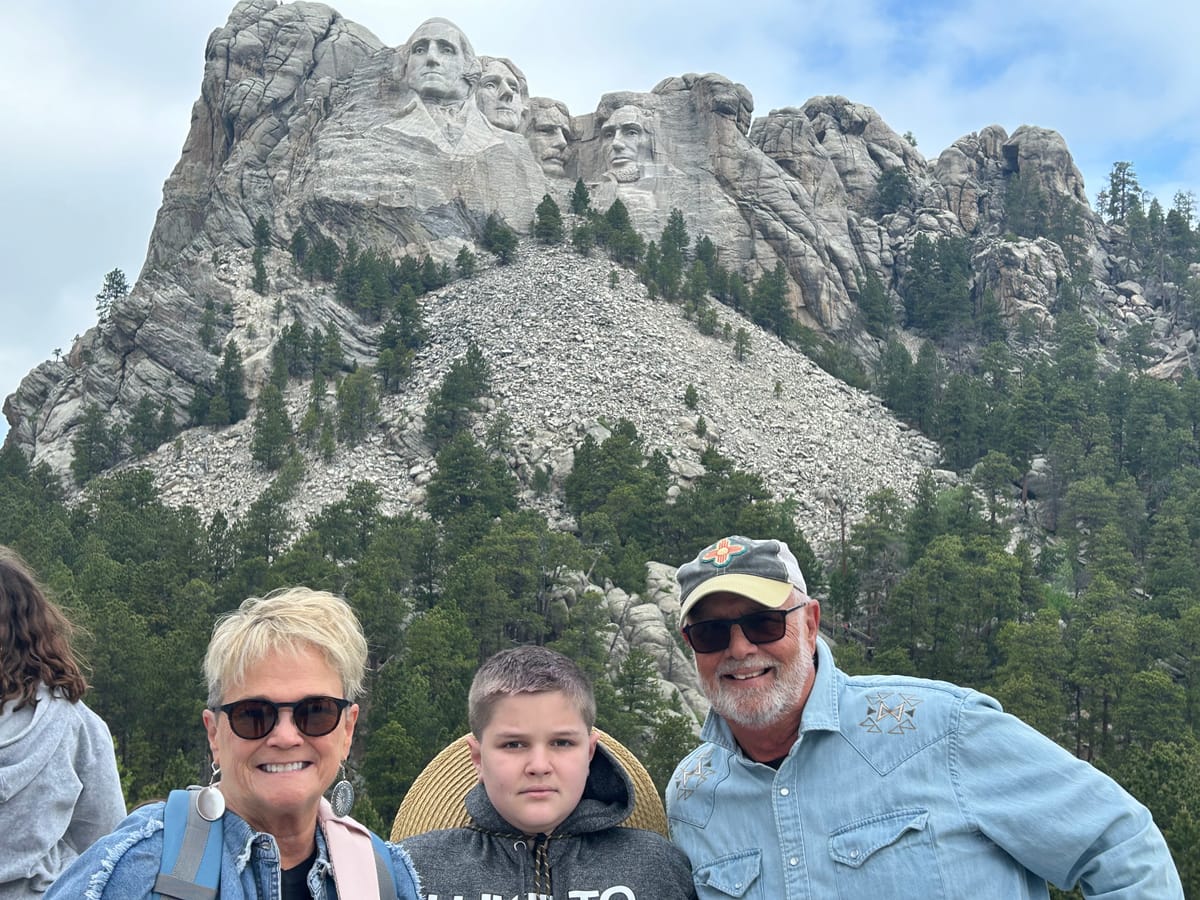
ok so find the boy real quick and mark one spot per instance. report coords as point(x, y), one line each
point(546, 812)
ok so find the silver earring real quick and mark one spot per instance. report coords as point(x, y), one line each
point(210, 802)
point(341, 799)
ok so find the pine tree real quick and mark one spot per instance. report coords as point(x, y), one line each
point(500, 239)
point(580, 199)
point(893, 190)
point(272, 440)
point(770, 302)
point(548, 226)
point(258, 283)
point(143, 428)
point(92, 449)
point(208, 326)
point(675, 238)
point(357, 406)
point(1123, 194)
point(115, 287)
point(583, 238)
point(741, 345)
point(299, 245)
point(456, 398)
point(262, 233)
point(874, 304)
point(231, 385)
point(465, 262)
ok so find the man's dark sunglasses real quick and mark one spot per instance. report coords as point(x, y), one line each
point(712, 635)
point(255, 719)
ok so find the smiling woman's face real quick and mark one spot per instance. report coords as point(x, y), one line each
point(275, 783)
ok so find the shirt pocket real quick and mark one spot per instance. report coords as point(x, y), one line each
point(888, 855)
point(736, 875)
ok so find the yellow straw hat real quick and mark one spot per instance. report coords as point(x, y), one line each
point(435, 799)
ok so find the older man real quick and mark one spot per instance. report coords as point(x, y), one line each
point(502, 93)
point(439, 66)
point(438, 63)
point(626, 144)
point(813, 783)
point(549, 135)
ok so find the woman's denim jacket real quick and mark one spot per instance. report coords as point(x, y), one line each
point(902, 788)
point(124, 864)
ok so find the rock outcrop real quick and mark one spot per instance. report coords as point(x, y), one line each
point(307, 120)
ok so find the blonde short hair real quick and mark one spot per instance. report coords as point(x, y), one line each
point(290, 619)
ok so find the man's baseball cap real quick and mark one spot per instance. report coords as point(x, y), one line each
point(763, 571)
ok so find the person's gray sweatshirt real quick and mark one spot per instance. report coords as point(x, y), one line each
point(590, 854)
point(59, 790)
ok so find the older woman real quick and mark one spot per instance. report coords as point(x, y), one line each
point(283, 673)
point(59, 787)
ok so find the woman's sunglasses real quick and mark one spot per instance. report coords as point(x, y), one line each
point(712, 635)
point(254, 719)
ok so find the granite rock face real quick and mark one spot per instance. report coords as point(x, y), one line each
point(306, 119)
point(569, 353)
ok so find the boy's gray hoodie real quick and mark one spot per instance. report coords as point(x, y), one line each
point(589, 855)
point(59, 790)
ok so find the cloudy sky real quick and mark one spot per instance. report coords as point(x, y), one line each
point(97, 99)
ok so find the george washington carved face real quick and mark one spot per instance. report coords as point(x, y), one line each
point(439, 63)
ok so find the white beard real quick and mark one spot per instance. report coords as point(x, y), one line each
point(766, 705)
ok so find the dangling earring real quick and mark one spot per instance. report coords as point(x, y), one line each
point(341, 798)
point(210, 802)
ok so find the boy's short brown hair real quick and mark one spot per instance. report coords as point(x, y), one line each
point(527, 669)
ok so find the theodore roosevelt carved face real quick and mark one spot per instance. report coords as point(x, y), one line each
point(549, 134)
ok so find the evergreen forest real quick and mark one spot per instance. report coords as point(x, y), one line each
point(1061, 573)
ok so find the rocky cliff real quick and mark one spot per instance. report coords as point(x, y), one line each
point(307, 119)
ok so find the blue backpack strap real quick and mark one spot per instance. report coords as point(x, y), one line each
point(191, 858)
point(383, 869)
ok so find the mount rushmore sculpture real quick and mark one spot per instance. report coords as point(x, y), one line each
point(307, 120)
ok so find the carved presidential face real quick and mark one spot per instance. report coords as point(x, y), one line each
point(625, 143)
point(499, 96)
point(436, 64)
point(549, 135)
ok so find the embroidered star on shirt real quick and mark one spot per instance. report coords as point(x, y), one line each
point(895, 711)
point(687, 781)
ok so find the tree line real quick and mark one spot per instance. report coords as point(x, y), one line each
point(1062, 574)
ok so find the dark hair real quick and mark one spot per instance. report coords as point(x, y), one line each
point(35, 638)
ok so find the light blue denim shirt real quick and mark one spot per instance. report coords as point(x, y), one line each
point(902, 788)
point(124, 864)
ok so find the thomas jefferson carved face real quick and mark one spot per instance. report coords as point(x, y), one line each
point(548, 135)
point(502, 95)
point(625, 143)
point(438, 62)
